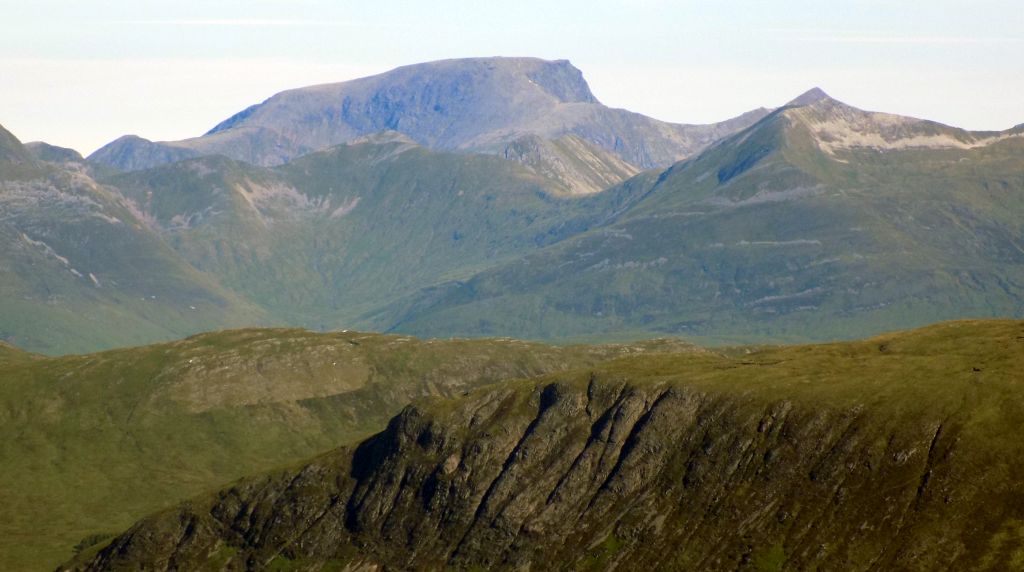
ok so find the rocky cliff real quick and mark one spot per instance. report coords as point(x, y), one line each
point(894, 453)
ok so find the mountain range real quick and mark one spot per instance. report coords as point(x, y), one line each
point(497, 196)
point(482, 105)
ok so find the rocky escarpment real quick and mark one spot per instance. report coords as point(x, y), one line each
point(895, 453)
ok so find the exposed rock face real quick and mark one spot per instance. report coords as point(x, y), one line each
point(887, 454)
point(477, 104)
point(579, 167)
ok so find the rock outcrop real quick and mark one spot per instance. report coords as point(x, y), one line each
point(892, 453)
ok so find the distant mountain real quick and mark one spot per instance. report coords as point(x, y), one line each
point(894, 453)
point(80, 270)
point(318, 242)
point(821, 221)
point(480, 105)
point(52, 153)
point(334, 234)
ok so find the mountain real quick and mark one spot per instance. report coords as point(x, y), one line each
point(821, 221)
point(91, 443)
point(80, 270)
point(477, 104)
point(894, 453)
point(131, 153)
point(12, 152)
point(45, 152)
point(337, 233)
point(209, 242)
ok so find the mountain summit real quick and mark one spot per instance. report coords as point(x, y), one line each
point(809, 97)
point(476, 104)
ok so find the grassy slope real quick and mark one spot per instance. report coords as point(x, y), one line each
point(90, 443)
point(80, 271)
point(768, 237)
point(333, 234)
point(818, 455)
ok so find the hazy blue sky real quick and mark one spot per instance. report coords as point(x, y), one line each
point(80, 73)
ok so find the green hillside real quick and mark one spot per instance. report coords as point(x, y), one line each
point(80, 270)
point(820, 222)
point(335, 234)
point(899, 452)
point(91, 443)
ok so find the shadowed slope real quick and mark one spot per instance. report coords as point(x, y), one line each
point(90, 443)
point(898, 452)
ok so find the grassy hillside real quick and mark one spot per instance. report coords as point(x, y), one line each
point(781, 233)
point(335, 234)
point(79, 269)
point(91, 443)
point(897, 452)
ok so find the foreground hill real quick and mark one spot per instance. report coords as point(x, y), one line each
point(898, 452)
point(475, 104)
point(821, 221)
point(90, 443)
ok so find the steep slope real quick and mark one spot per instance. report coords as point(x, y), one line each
point(579, 167)
point(91, 443)
point(79, 270)
point(12, 152)
point(334, 234)
point(898, 452)
point(820, 222)
point(475, 104)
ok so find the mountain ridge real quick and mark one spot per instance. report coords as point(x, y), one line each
point(890, 452)
point(470, 104)
point(766, 226)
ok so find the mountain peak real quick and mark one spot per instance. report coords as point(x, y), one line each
point(809, 97)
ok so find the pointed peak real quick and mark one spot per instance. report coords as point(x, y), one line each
point(809, 97)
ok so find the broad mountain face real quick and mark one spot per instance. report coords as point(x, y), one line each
point(91, 443)
point(820, 221)
point(479, 105)
point(80, 269)
point(893, 453)
point(330, 236)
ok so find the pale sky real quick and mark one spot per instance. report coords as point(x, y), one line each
point(81, 73)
